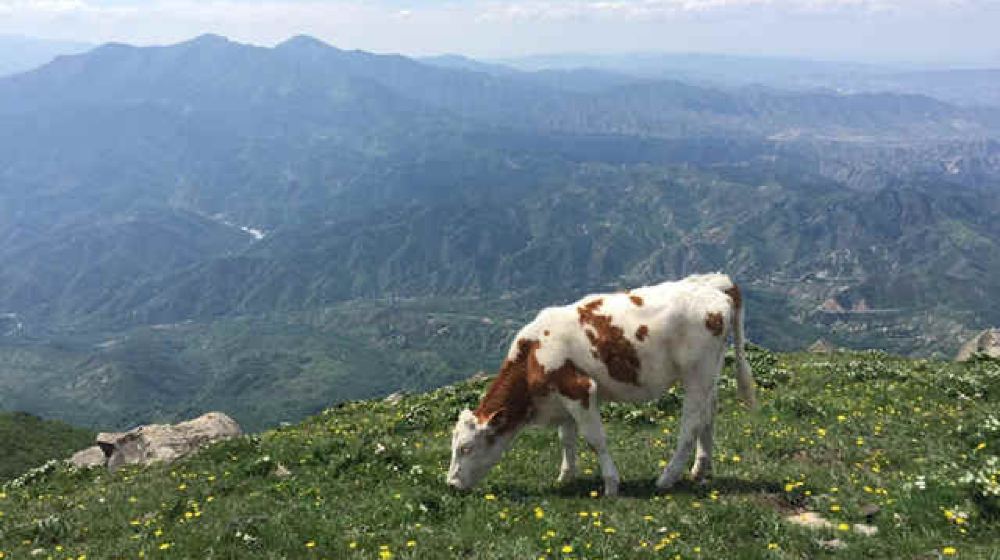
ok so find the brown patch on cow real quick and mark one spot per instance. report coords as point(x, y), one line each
point(641, 333)
point(511, 390)
point(571, 383)
point(715, 324)
point(546, 333)
point(524, 379)
point(610, 345)
point(593, 305)
point(636, 300)
point(736, 296)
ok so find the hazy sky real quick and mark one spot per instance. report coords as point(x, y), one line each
point(867, 30)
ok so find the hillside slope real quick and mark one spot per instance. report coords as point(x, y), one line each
point(30, 441)
point(169, 215)
point(909, 447)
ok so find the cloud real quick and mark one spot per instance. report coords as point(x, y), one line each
point(495, 27)
point(666, 9)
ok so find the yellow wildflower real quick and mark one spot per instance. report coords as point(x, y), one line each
point(949, 551)
point(311, 544)
point(566, 549)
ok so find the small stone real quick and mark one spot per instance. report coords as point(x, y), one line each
point(832, 544)
point(809, 519)
point(281, 471)
point(866, 530)
point(394, 398)
point(870, 510)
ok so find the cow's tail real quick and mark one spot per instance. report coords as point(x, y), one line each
point(744, 377)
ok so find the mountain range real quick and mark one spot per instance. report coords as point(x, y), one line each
point(269, 230)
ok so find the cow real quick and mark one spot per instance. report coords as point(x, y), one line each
point(630, 346)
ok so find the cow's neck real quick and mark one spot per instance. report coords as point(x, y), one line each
point(511, 392)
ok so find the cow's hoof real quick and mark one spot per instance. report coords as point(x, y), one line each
point(701, 473)
point(667, 480)
point(565, 477)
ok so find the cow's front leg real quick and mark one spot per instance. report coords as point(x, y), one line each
point(567, 436)
point(588, 421)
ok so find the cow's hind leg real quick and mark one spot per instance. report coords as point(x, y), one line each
point(588, 420)
point(567, 436)
point(702, 469)
point(696, 416)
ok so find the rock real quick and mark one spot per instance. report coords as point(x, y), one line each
point(832, 544)
point(870, 511)
point(89, 457)
point(821, 346)
point(809, 519)
point(395, 398)
point(986, 342)
point(163, 442)
point(866, 530)
point(832, 306)
point(281, 471)
point(479, 376)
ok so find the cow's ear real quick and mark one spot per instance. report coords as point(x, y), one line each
point(498, 419)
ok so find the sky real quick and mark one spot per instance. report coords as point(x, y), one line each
point(938, 31)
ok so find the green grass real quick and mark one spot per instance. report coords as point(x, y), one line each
point(29, 441)
point(834, 434)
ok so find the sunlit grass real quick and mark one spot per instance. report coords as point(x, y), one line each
point(908, 447)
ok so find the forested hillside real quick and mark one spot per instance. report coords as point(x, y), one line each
point(212, 224)
point(30, 441)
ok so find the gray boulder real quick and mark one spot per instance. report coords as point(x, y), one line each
point(164, 442)
point(986, 342)
point(89, 457)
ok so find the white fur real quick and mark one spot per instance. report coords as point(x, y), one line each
point(678, 347)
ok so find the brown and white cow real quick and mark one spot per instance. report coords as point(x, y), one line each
point(611, 347)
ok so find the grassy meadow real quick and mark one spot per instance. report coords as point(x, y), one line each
point(907, 447)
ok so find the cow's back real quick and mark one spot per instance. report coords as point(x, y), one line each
point(635, 344)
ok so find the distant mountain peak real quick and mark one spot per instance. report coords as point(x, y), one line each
point(207, 39)
point(302, 42)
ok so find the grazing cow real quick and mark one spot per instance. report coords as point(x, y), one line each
point(629, 346)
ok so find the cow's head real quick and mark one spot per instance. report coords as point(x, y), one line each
point(476, 446)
